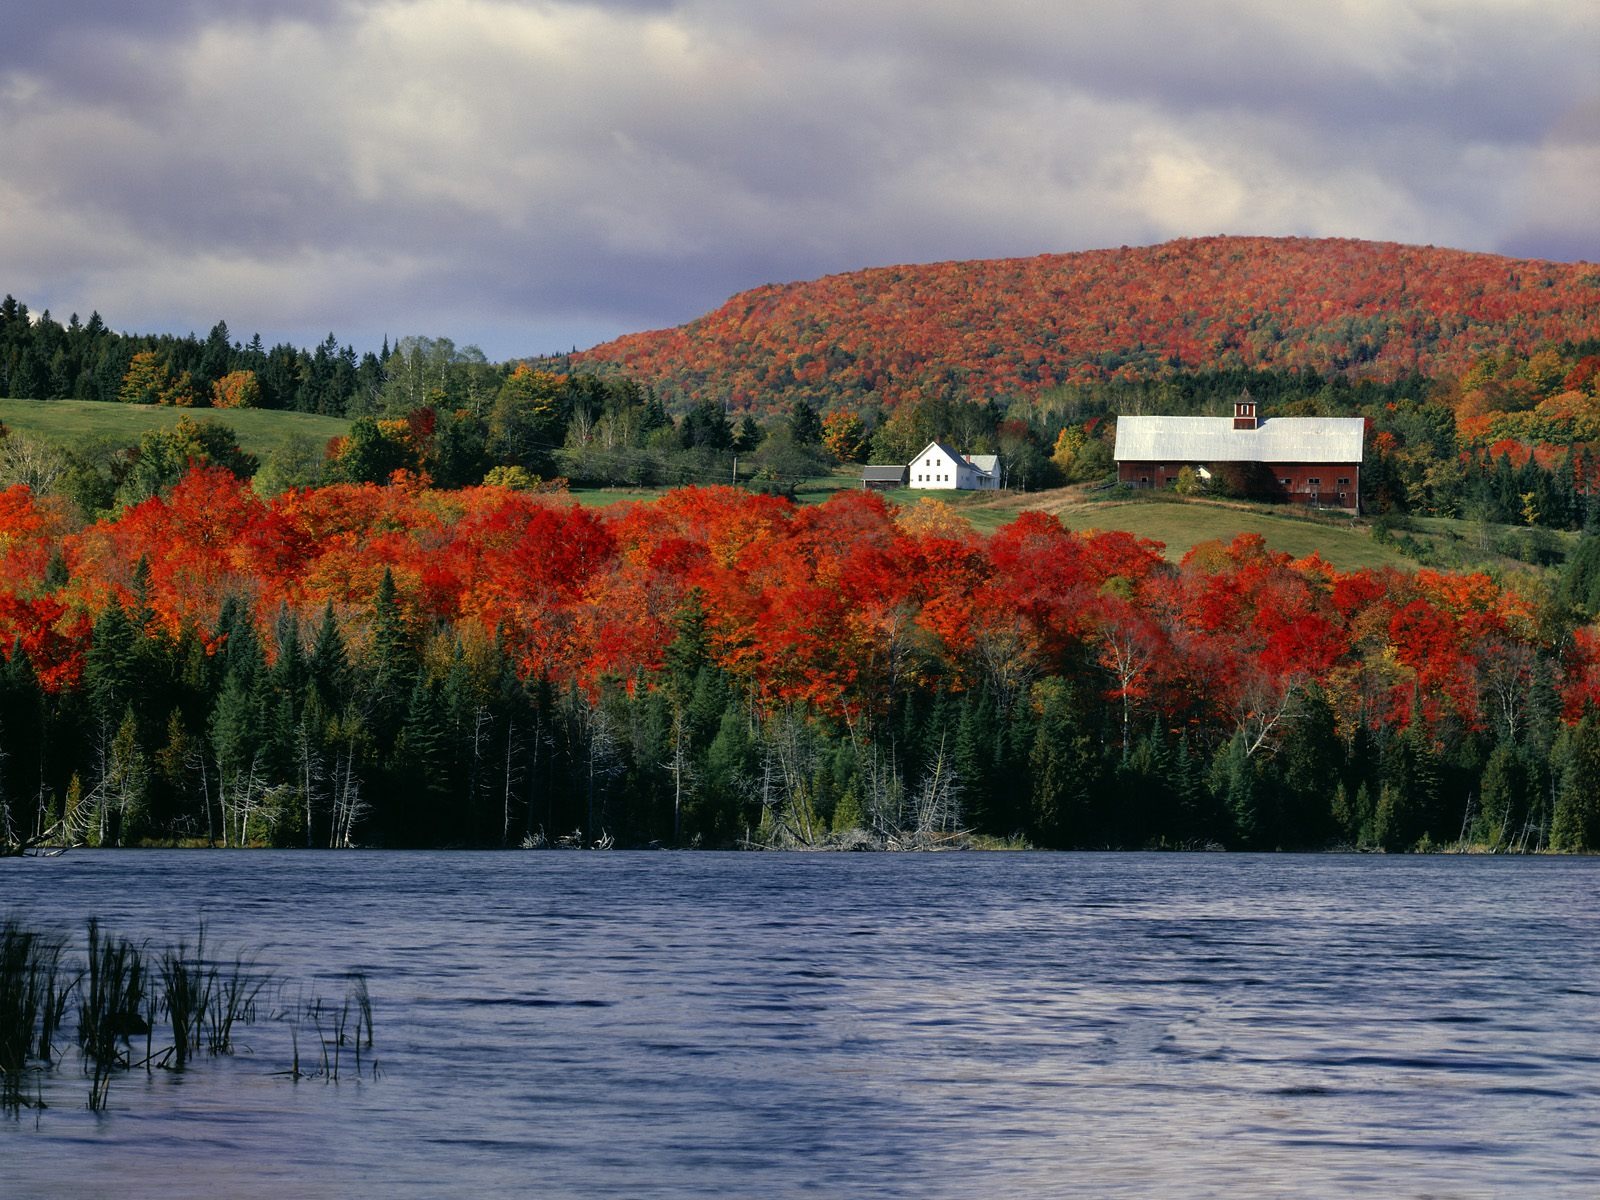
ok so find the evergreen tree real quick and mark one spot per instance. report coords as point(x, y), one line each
point(421, 774)
point(124, 788)
point(721, 810)
point(1238, 789)
point(111, 664)
point(748, 436)
point(1312, 754)
point(328, 666)
point(1064, 767)
point(706, 427)
point(805, 426)
point(1575, 826)
point(1503, 802)
point(393, 664)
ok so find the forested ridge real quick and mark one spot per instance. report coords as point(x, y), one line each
point(402, 665)
point(990, 329)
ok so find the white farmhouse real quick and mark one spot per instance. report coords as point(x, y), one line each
point(938, 466)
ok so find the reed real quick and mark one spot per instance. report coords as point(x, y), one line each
point(32, 995)
point(231, 1000)
point(123, 989)
point(186, 995)
point(349, 1025)
point(116, 1005)
point(58, 985)
point(19, 997)
point(356, 993)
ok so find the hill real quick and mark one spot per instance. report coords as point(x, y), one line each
point(65, 421)
point(988, 329)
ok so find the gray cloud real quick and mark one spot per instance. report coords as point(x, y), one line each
point(532, 176)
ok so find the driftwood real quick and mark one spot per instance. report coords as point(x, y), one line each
point(863, 840)
point(42, 845)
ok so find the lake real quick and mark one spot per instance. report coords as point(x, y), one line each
point(692, 1024)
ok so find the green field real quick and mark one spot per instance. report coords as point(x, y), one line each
point(67, 421)
point(1346, 544)
point(810, 491)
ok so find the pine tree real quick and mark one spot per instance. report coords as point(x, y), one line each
point(1502, 799)
point(109, 670)
point(126, 788)
point(721, 808)
point(420, 774)
point(1238, 789)
point(393, 663)
point(328, 665)
point(1575, 826)
point(1064, 769)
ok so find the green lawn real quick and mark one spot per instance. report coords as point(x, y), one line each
point(811, 491)
point(601, 497)
point(66, 421)
point(1346, 544)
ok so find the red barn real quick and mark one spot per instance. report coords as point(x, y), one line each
point(1308, 460)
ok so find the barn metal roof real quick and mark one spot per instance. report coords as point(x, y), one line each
point(1214, 439)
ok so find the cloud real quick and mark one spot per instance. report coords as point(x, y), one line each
point(536, 175)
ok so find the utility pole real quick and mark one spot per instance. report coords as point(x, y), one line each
point(735, 470)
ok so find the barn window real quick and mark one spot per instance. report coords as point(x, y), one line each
point(1314, 481)
point(1344, 483)
point(1285, 482)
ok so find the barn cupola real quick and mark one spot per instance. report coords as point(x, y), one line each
point(1244, 413)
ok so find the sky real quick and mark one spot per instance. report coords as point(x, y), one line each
point(529, 177)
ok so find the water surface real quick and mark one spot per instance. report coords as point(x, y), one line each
point(659, 1024)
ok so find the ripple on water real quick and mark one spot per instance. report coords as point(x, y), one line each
point(864, 1025)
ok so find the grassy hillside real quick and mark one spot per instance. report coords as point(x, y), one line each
point(1181, 525)
point(66, 421)
point(1344, 543)
point(1007, 327)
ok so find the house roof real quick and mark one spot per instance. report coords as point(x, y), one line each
point(941, 447)
point(875, 474)
point(989, 463)
point(1214, 439)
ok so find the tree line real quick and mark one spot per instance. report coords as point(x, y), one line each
point(406, 665)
